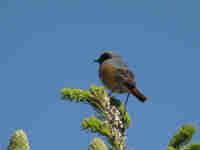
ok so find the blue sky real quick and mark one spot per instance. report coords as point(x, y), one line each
point(48, 45)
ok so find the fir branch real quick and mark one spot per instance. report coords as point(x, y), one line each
point(97, 144)
point(195, 146)
point(18, 141)
point(111, 120)
point(183, 136)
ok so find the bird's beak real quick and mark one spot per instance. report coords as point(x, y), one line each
point(96, 60)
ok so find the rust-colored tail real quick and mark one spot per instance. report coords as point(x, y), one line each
point(139, 95)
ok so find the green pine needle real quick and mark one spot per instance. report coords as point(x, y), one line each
point(183, 136)
point(18, 141)
point(97, 144)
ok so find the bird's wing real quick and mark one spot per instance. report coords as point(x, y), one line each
point(123, 73)
point(127, 78)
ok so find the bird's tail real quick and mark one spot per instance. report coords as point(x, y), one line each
point(138, 94)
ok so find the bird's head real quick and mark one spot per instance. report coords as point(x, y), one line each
point(105, 56)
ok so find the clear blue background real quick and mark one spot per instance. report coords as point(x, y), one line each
point(48, 45)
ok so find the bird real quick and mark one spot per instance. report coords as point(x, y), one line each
point(116, 76)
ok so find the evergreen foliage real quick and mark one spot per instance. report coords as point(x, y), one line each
point(111, 121)
point(97, 144)
point(18, 141)
point(182, 138)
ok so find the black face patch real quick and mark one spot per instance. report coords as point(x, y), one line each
point(104, 56)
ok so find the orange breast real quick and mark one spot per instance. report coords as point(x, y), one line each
point(107, 75)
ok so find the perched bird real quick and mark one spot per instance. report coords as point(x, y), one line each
point(116, 75)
